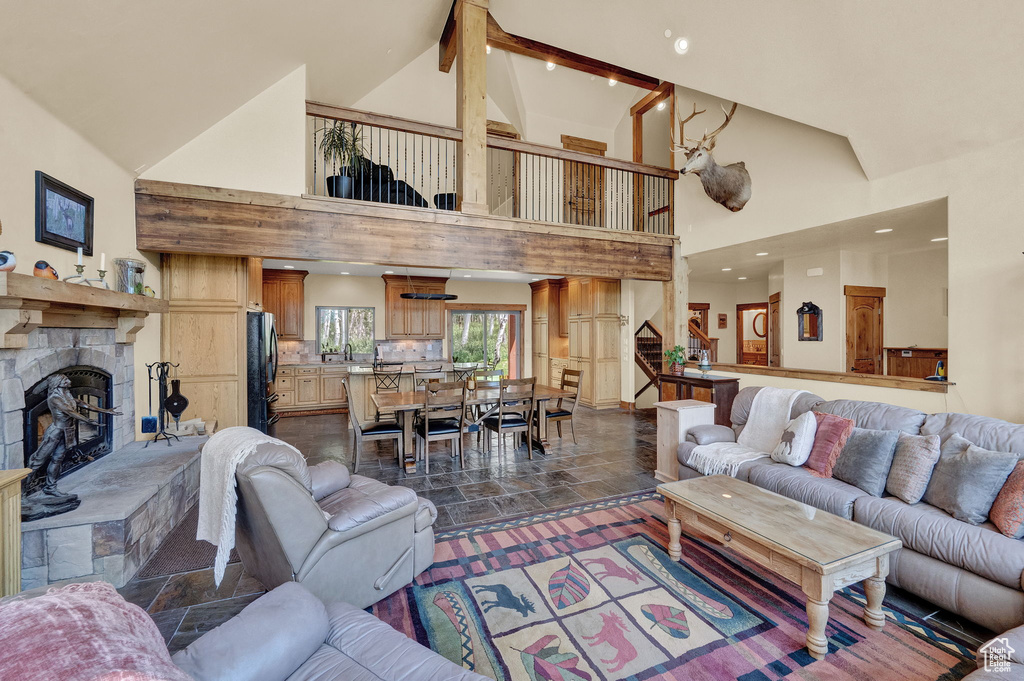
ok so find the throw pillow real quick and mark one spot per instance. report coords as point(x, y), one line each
point(967, 479)
point(82, 631)
point(797, 440)
point(1008, 510)
point(912, 466)
point(866, 459)
point(829, 440)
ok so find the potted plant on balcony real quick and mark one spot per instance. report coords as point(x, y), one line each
point(676, 358)
point(342, 149)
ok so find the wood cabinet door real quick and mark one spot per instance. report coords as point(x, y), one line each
point(395, 311)
point(307, 390)
point(563, 311)
point(255, 284)
point(272, 297)
point(433, 318)
point(332, 390)
point(285, 398)
point(415, 318)
point(291, 316)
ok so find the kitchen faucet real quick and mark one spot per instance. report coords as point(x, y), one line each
point(348, 352)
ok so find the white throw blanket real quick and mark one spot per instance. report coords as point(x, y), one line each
point(217, 497)
point(769, 416)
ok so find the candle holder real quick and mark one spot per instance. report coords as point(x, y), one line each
point(99, 283)
point(78, 278)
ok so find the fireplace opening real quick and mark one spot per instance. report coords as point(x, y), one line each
point(88, 384)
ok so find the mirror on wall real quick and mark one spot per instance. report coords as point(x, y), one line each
point(809, 326)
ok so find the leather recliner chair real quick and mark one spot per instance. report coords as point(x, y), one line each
point(343, 537)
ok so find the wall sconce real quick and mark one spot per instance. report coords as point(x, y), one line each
point(809, 320)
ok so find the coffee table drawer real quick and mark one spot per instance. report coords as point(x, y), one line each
point(748, 547)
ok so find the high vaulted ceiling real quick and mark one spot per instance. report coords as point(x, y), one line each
point(909, 82)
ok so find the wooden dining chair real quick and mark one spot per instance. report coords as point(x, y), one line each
point(565, 407)
point(464, 374)
point(424, 377)
point(436, 424)
point(515, 413)
point(386, 381)
point(383, 430)
point(485, 379)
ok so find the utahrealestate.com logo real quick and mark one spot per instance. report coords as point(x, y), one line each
point(996, 654)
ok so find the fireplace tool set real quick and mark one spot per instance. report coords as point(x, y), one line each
point(173, 403)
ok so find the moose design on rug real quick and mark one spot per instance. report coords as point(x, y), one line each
point(613, 633)
point(504, 598)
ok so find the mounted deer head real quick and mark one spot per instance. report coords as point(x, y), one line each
point(728, 185)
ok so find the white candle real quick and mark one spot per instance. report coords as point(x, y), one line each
point(103, 261)
point(79, 255)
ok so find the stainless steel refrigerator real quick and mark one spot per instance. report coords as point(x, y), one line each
point(261, 369)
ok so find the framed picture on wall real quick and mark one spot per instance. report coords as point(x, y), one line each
point(63, 215)
point(723, 321)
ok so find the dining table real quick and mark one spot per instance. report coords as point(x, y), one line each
point(405, 405)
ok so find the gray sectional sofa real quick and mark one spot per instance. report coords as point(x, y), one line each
point(972, 570)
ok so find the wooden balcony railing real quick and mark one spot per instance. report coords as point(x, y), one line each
point(412, 163)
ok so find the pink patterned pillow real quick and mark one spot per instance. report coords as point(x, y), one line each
point(1008, 510)
point(82, 632)
point(829, 440)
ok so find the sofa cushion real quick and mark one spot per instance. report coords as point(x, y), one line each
point(82, 631)
point(1008, 509)
point(800, 484)
point(267, 641)
point(797, 440)
point(280, 456)
point(967, 479)
point(866, 459)
point(986, 432)
point(706, 433)
point(742, 473)
point(327, 478)
point(980, 549)
point(912, 464)
point(362, 501)
point(876, 415)
point(829, 439)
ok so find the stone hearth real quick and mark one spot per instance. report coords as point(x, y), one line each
point(131, 500)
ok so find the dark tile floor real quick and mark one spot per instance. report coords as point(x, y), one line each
point(615, 455)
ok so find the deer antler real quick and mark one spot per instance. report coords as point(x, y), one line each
point(709, 140)
point(683, 147)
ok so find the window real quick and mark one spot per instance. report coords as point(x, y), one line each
point(488, 337)
point(336, 326)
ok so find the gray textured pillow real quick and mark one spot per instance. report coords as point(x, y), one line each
point(967, 479)
point(866, 459)
point(916, 456)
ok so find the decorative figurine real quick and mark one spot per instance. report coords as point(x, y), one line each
point(58, 439)
point(148, 291)
point(705, 363)
point(7, 261)
point(44, 270)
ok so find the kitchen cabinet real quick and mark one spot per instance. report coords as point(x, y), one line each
point(310, 388)
point(915, 362)
point(255, 284)
point(406, 318)
point(557, 366)
point(594, 332)
point(284, 297)
point(563, 308)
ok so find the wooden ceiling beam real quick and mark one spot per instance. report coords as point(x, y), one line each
point(651, 99)
point(502, 40)
point(448, 44)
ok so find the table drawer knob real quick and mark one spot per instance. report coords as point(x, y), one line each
point(728, 536)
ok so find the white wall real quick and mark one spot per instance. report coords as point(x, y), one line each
point(31, 139)
point(915, 301)
point(824, 291)
point(259, 147)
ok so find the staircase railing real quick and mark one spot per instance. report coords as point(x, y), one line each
point(647, 344)
point(700, 341)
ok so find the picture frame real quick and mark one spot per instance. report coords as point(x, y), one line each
point(723, 320)
point(64, 215)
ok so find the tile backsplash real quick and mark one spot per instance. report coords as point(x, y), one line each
point(304, 352)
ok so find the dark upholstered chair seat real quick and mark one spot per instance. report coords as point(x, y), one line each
point(382, 428)
point(559, 412)
point(440, 427)
point(510, 421)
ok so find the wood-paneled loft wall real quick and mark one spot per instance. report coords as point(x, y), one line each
point(189, 219)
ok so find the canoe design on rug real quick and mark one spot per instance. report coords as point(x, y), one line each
point(543, 662)
point(449, 613)
point(670, 620)
point(450, 605)
point(568, 586)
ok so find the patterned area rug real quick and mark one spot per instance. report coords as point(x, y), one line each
point(589, 593)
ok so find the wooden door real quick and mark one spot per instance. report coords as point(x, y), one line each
point(583, 185)
point(864, 319)
point(774, 331)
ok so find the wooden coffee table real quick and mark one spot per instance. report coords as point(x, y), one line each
point(815, 550)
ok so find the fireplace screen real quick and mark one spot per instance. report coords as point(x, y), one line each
point(88, 384)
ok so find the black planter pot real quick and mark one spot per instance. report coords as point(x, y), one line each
point(339, 186)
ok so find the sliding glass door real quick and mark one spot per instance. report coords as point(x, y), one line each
point(491, 337)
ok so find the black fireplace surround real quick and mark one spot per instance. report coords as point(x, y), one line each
point(89, 384)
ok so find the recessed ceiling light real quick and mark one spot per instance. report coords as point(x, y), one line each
point(727, 269)
point(882, 231)
point(612, 82)
point(289, 267)
point(661, 106)
point(682, 45)
point(467, 276)
point(741, 278)
point(388, 272)
point(535, 279)
point(344, 272)
point(760, 254)
point(551, 66)
point(941, 238)
point(488, 49)
point(668, 32)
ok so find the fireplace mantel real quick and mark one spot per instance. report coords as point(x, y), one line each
point(28, 302)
